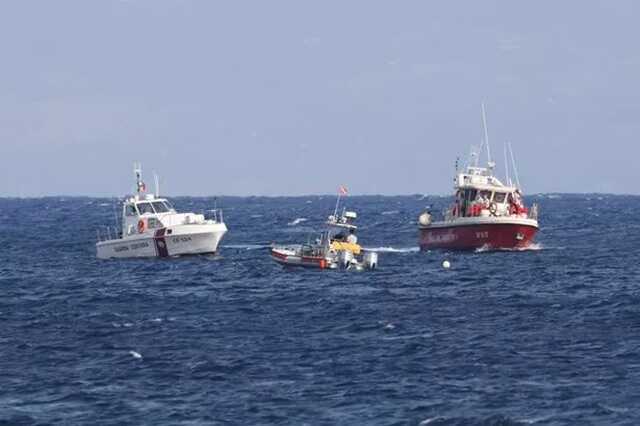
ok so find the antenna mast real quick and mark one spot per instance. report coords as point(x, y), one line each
point(506, 166)
point(486, 135)
point(157, 182)
point(335, 211)
point(115, 214)
point(473, 158)
point(137, 170)
point(515, 170)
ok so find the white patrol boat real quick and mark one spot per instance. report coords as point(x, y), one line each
point(336, 248)
point(151, 227)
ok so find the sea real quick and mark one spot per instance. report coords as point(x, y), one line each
point(544, 336)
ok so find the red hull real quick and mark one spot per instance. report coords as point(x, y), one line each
point(469, 237)
point(306, 261)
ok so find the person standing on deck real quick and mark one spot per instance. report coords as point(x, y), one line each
point(352, 238)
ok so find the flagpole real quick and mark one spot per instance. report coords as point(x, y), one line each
point(341, 191)
point(335, 212)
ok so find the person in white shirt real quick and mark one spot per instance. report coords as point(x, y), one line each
point(352, 239)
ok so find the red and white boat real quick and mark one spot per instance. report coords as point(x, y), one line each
point(151, 227)
point(486, 213)
point(337, 247)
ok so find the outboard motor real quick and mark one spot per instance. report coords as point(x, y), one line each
point(370, 260)
point(345, 257)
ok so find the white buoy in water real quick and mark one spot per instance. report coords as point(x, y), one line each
point(446, 264)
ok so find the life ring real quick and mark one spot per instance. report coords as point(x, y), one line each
point(141, 226)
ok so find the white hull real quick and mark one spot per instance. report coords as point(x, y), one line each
point(165, 242)
point(489, 220)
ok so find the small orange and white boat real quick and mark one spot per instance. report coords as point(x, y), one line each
point(336, 248)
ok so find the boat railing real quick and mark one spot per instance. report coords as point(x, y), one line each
point(215, 215)
point(447, 214)
point(107, 233)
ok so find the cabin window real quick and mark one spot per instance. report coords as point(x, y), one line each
point(470, 194)
point(499, 197)
point(130, 210)
point(154, 223)
point(168, 204)
point(160, 207)
point(485, 195)
point(145, 208)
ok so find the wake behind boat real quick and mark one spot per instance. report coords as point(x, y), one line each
point(151, 227)
point(336, 248)
point(485, 214)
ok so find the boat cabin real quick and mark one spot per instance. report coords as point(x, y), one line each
point(142, 213)
point(341, 233)
point(479, 193)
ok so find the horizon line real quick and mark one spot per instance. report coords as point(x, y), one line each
point(621, 194)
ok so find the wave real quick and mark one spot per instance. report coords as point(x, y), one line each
point(393, 249)
point(297, 221)
point(246, 246)
point(493, 420)
point(530, 247)
point(390, 212)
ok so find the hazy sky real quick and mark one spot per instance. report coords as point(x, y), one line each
point(297, 97)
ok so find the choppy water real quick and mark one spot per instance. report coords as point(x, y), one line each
point(546, 336)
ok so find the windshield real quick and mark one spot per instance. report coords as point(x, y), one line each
point(131, 210)
point(145, 208)
point(160, 207)
point(169, 205)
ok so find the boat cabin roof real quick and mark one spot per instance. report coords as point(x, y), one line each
point(342, 225)
point(148, 205)
point(344, 221)
point(481, 178)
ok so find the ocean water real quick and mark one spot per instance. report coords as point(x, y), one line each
point(547, 336)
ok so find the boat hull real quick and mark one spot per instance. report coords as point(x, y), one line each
point(471, 236)
point(165, 242)
point(290, 259)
